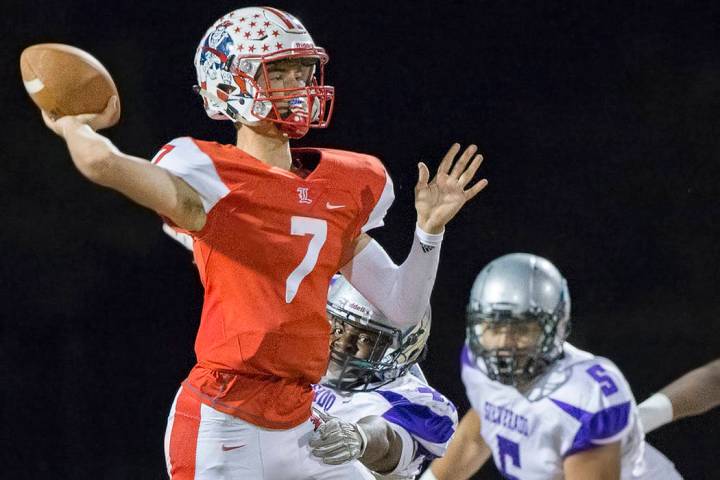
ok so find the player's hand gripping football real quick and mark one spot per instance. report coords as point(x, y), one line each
point(336, 441)
point(440, 199)
point(96, 121)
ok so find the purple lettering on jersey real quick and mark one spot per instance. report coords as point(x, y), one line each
point(597, 372)
point(419, 420)
point(436, 396)
point(511, 449)
point(506, 418)
point(600, 425)
point(324, 397)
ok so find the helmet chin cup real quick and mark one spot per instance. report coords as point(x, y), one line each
point(294, 131)
point(296, 123)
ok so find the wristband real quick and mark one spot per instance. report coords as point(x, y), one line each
point(364, 440)
point(655, 412)
point(433, 239)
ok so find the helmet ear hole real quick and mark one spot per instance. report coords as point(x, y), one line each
point(224, 90)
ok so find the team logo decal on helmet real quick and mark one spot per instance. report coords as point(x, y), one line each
point(366, 352)
point(232, 70)
point(518, 317)
point(216, 50)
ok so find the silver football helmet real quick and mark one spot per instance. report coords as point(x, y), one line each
point(518, 317)
point(366, 351)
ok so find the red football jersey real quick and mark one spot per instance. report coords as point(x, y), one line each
point(270, 246)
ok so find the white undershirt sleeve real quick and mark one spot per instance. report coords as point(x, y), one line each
point(402, 292)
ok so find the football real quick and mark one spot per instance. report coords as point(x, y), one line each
point(65, 80)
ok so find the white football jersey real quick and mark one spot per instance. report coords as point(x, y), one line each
point(417, 412)
point(582, 401)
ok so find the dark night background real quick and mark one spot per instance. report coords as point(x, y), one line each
point(600, 125)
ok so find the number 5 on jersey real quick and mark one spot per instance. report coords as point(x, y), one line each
point(305, 226)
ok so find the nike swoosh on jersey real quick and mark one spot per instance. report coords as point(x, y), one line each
point(225, 449)
point(330, 206)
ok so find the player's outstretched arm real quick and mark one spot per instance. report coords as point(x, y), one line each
point(465, 455)
point(694, 393)
point(600, 463)
point(402, 292)
point(101, 162)
point(371, 441)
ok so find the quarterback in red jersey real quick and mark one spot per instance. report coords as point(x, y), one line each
point(270, 227)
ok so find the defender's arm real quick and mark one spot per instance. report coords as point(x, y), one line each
point(465, 455)
point(694, 393)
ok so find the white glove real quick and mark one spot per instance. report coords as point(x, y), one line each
point(337, 442)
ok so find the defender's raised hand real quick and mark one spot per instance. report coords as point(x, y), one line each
point(439, 200)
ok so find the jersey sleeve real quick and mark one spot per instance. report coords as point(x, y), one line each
point(377, 215)
point(419, 413)
point(601, 403)
point(183, 158)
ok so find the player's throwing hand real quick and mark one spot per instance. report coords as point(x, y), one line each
point(96, 121)
point(439, 200)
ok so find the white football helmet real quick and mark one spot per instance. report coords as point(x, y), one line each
point(233, 55)
point(391, 354)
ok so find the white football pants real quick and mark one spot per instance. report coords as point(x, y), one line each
point(202, 443)
point(656, 466)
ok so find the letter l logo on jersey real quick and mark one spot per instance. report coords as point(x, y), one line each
point(303, 195)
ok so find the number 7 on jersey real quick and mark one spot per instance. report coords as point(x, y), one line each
point(305, 226)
